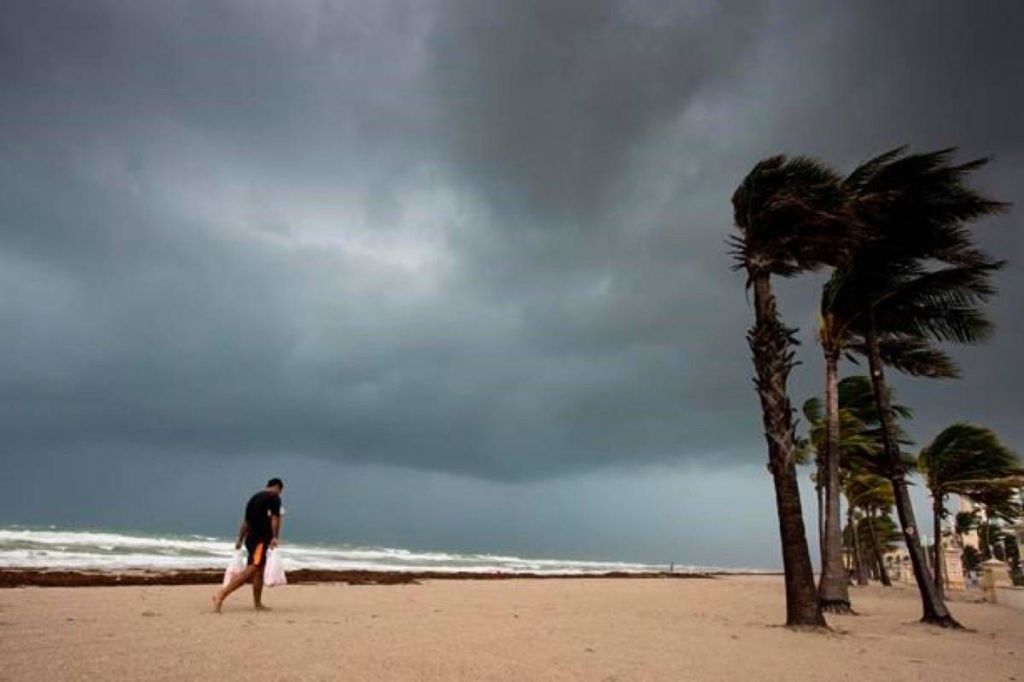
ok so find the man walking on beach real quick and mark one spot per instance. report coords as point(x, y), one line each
point(259, 531)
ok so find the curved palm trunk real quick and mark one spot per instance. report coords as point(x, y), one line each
point(832, 590)
point(939, 558)
point(934, 607)
point(770, 342)
point(876, 547)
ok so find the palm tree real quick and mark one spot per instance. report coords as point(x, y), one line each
point(853, 538)
point(883, 531)
point(791, 216)
point(970, 461)
point(919, 273)
point(873, 494)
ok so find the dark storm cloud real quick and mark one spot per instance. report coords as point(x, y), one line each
point(470, 237)
point(554, 95)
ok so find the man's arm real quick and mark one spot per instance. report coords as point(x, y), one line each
point(243, 530)
point(275, 525)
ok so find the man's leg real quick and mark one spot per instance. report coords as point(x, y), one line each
point(236, 582)
point(257, 590)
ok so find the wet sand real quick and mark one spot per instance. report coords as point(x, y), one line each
point(573, 629)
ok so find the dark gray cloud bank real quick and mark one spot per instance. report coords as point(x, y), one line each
point(456, 269)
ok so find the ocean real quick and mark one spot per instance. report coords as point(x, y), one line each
point(66, 549)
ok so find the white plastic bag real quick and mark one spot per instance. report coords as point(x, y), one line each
point(273, 575)
point(236, 566)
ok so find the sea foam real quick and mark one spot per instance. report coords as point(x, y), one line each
point(55, 548)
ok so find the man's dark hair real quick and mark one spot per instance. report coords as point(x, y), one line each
point(275, 481)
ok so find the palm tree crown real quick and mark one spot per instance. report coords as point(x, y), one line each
point(792, 216)
point(970, 460)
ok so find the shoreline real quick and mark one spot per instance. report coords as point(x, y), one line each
point(18, 577)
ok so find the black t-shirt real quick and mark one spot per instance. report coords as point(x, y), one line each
point(261, 507)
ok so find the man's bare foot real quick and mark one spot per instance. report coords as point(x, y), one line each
point(217, 602)
point(261, 607)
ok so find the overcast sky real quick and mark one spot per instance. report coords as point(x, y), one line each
point(455, 270)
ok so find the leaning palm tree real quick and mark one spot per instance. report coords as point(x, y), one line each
point(920, 271)
point(967, 460)
point(791, 214)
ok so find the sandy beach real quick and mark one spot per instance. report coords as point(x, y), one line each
point(583, 629)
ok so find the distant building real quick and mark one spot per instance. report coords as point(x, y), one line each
point(900, 568)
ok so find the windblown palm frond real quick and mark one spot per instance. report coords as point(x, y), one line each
point(906, 320)
point(916, 206)
point(858, 181)
point(868, 490)
point(856, 394)
point(912, 356)
point(939, 304)
point(813, 410)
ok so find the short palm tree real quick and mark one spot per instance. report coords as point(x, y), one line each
point(852, 539)
point(919, 272)
point(791, 216)
point(967, 460)
point(873, 494)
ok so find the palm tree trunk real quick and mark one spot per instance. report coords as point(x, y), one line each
point(939, 558)
point(934, 607)
point(832, 590)
point(883, 575)
point(771, 345)
point(862, 578)
point(847, 548)
point(820, 493)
